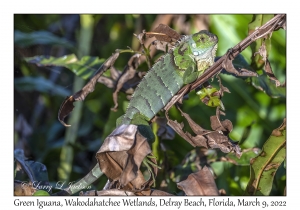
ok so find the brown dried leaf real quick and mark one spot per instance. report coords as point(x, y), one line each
point(222, 192)
point(153, 192)
point(267, 67)
point(110, 192)
point(108, 82)
point(162, 46)
point(114, 73)
point(220, 138)
point(219, 141)
point(67, 105)
point(262, 51)
point(65, 109)
point(178, 129)
point(199, 183)
point(21, 189)
point(217, 138)
point(117, 192)
point(121, 155)
point(222, 88)
point(194, 126)
point(225, 126)
point(164, 33)
point(269, 71)
point(228, 66)
point(207, 138)
point(129, 73)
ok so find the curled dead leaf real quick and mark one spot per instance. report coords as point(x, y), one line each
point(65, 109)
point(23, 189)
point(120, 158)
point(271, 75)
point(163, 33)
point(219, 141)
point(67, 105)
point(106, 81)
point(227, 64)
point(199, 183)
point(128, 74)
point(216, 139)
point(117, 192)
point(154, 192)
point(224, 126)
point(222, 88)
point(162, 46)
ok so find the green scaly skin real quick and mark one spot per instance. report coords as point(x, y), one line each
point(91, 177)
point(188, 60)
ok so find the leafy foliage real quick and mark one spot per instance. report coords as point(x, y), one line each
point(264, 166)
point(254, 106)
point(84, 67)
point(39, 37)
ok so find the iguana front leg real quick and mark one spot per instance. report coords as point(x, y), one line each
point(190, 74)
point(144, 129)
point(149, 165)
point(147, 132)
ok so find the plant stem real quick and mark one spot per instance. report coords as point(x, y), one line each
point(67, 153)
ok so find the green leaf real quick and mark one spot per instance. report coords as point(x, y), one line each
point(83, 68)
point(206, 92)
point(244, 160)
point(207, 97)
point(39, 84)
point(264, 84)
point(263, 168)
point(40, 37)
point(41, 193)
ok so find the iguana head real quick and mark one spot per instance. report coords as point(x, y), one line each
point(199, 48)
point(204, 46)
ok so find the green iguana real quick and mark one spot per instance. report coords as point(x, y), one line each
point(183, 64)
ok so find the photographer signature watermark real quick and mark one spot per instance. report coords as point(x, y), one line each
point(60, 185)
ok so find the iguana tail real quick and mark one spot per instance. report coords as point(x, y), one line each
point(84, 183)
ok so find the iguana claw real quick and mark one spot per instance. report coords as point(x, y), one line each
point(150, 165)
